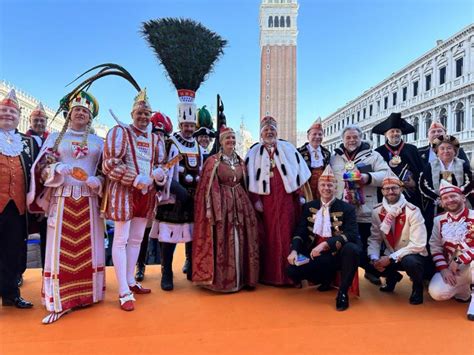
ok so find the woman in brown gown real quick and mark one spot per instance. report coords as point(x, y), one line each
point(225, 245)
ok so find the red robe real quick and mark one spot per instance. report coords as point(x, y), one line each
point(225, 246)
point(281, 211)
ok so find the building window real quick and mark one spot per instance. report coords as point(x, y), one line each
point(268, 82)
point(394, 98)
point(282, 21)
point(428, 82)
point(459, 117)
point(443, 117)
point(270, 21)
point(364, 112)
point(416, 124)
point(275, 22)
point(288, 21)
point(404, 94)
point(358, 116)
point(428, 121)
point(442, 75)
point(415, 88)
point(353, 118)
point(385, 102)
point(472, 117)
point(459, 67)
point(370, 110)
point(347, 120)
point(378, 105)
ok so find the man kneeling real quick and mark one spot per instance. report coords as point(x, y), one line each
point(328, 234)
point(452, 247)
point(401, 227)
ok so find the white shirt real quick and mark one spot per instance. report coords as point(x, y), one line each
point(316, 163)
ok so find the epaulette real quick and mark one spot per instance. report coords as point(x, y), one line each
point(411, 206)
point(253, 145)
point(378, 205)
point(283, 140)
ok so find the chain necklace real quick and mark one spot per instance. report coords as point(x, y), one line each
point(231, 160)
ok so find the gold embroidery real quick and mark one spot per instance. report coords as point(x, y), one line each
point(313, 210)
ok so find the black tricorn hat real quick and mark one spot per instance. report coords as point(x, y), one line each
point(395, 120)
point(204, 131)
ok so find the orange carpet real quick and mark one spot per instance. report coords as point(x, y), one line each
point(269, 320)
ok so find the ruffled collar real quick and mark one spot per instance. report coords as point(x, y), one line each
point(11, 143)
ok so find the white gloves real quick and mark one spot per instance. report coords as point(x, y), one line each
point(93, 182)
point(259, 206)
point(63, 169)
point(159, 174)
point(142, 182)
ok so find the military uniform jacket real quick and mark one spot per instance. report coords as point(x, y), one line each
point(453, 239)
point(407, 237)
point(343, 226)
point(431, 177)
point(304, 151)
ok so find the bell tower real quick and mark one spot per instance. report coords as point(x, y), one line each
point(278, 34)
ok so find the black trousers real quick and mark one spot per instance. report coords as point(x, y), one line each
point(322, 270)
point(364, 232)
point(144, 248)
point(413, 264)
point(12, 245)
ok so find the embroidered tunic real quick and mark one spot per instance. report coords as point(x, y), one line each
point(75, 257)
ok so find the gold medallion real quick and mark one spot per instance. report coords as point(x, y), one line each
point(395, 161)
point(349, 165)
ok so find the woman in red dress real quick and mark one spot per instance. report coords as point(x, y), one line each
point(225, 247)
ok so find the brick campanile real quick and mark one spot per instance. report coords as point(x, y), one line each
point(278, 33)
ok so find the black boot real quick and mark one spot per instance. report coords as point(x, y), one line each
point(167, 251)
point(417, 294)
point(140, 275)
point(342, 301)
point(187, 263)
point(392, 280)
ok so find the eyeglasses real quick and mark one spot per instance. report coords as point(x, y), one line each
point(393, 188)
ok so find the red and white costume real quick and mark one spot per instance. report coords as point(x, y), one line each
point(452, 241)
point(131, 159)
point(75, 257)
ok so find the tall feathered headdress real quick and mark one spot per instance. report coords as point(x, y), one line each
point(105, 70)
point(188, 51)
